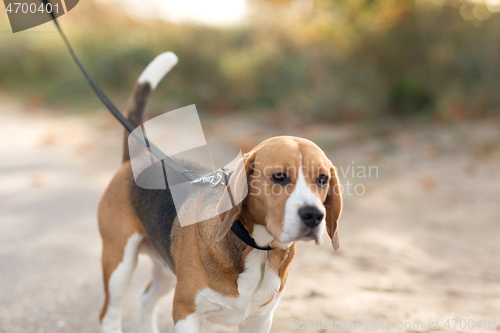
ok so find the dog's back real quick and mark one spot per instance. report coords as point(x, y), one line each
point(154, 207)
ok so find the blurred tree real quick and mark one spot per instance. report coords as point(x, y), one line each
point(333, 60)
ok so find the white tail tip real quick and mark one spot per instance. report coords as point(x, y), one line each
point(158, 68)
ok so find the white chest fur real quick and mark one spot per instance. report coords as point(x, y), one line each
point(257, 285)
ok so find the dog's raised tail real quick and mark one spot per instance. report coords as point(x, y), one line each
point(146, 83)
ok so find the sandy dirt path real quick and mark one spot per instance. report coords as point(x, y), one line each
point(421, 243)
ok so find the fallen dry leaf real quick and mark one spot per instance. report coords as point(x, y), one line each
point(47, 139)
point(71, 135)
point(429, 152)
point(38, 179)
point(470, 169)
point(84, 148)
point(495, 161)
point(406, 142)
point(428, 181)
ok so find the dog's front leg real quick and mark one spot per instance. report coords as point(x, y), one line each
point(260, 324)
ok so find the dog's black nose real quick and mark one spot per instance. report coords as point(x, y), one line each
point(311, 216)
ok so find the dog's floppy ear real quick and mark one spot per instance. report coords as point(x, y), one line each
point(229, 207)
point(333, 205)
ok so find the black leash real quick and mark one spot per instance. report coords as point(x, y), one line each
point(117, 114)
point(237, 227)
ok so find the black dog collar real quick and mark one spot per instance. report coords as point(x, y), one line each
point(242, 233)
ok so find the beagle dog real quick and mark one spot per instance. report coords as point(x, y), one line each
point(293, 194)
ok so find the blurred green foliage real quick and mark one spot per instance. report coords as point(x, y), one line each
point(324, 59)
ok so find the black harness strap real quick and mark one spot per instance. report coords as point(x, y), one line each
point(190, 175)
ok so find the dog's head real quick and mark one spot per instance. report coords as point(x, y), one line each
point(293, 193)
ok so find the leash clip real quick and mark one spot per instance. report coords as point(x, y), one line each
point(217, 177)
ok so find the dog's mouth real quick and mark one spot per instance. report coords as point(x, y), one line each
point(304, 233)
point(310, 234)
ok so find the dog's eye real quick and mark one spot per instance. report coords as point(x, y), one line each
point(280, 178)
point(322, 180)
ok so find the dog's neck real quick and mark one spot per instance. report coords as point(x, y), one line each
point(280, 256)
